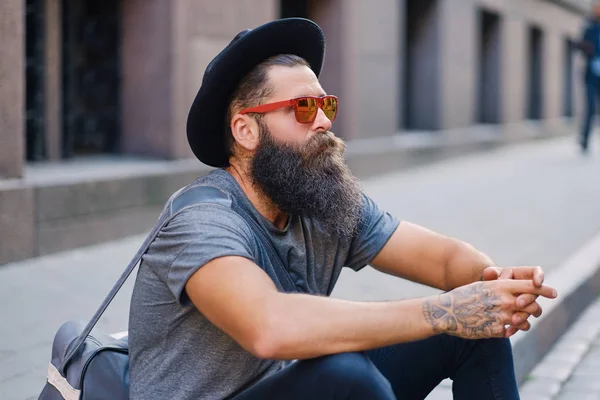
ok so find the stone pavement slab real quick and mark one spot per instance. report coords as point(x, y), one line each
point(529, 204)
point(571, 370)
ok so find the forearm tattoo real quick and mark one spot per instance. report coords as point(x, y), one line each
point(471, 312)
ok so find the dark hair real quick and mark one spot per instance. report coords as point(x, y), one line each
point(254, 88)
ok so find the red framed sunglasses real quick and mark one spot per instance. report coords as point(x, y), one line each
point(305, 108)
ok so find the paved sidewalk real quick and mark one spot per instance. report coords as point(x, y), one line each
point(530, 204)
point(571, 370)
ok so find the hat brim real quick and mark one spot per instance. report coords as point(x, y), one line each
point(206, 123)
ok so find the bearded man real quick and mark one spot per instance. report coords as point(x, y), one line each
point(232, 299)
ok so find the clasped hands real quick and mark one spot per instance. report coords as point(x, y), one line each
point(526, 304)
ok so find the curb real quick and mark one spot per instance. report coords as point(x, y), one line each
point(414, 149)
point(566, 369)
point(577, 281)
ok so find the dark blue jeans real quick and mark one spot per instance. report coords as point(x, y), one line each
point(479, 369)
point(592, 92)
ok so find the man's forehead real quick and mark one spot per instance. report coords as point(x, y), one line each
point(291, 82)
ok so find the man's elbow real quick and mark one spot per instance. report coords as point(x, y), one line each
point(265, 346)
point(266, 340)
point(460, 254)
point(453, 253)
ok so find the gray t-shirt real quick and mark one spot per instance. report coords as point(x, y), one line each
point(175, 352)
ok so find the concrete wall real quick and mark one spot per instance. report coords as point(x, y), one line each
point(422, 65)
point(458, 33)
point(204, 28)
point(53, 79)
point(327, 14)
point(38, 218)
point(12, 86)
point(17, 213)
point(514, 71)
point(147, 78)
point(371, 32)
point(458, 26)
point(442, 89)
point(362, 41)
point(167, 45)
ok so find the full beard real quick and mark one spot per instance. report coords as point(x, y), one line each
point(310, 180)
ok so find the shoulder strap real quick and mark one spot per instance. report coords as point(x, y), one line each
point(184, 198)
point(281, 272)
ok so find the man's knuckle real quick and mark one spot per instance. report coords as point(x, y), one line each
point(508, 303)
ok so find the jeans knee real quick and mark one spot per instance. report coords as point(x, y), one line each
point(345, 365)
point(355, 372)
point(498, 344)
point(499, 349)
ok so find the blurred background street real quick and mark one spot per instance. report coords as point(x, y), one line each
point(460, 115)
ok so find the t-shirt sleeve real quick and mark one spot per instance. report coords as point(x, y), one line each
point(374, 230)
point(199, 235)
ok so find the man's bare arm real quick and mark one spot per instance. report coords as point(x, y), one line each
point(421, 255)
point(240, 299)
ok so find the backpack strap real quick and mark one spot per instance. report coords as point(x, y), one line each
point(181, 200)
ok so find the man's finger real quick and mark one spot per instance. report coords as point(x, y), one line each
point(533, 309)
point(523, 313)
point(494, 273)
point(525, 326)
point(491, 273)
point(524, 300)
point(526, 286)
point(538, 276)
point(535, 273)
point(511, 330)
point(506, 273)
point(518, 318)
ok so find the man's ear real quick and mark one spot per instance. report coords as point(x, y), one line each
point(245, 131)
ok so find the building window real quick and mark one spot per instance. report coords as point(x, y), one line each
point(35, 140)
point(421, 45)
point(489, 65)
point(535, 74)
point(91, 77)
point(294, 8)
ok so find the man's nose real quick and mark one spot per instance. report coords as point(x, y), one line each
point(321, 122)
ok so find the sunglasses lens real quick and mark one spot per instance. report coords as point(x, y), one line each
point(330, 107)
point(306, 110)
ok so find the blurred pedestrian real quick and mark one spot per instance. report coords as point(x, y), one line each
point(590, 45)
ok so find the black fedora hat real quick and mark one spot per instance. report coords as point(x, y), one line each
point(206, 123)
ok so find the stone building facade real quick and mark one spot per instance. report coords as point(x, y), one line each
point(114, 79)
